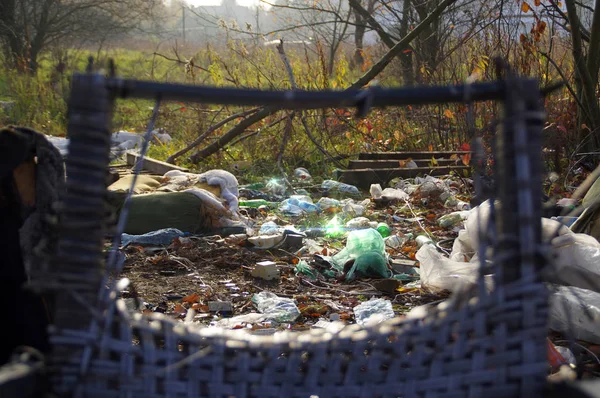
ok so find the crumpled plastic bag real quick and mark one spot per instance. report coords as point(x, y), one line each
point(394, 194)
point(575, 311)
point(275, 308)
point(367, 248)
point(576, 261)
point(373, 312)
point(441, 273)
point(479, 217)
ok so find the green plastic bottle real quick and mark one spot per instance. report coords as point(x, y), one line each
point(254, 203)
point(384, 229)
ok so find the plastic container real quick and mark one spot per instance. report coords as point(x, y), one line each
point(328, 204)
point(294, 206)
point(394, 241)
point(359, 223)
point(275, 188)
point(452, 219)
point(367, 249)
point(424, 240)
point(373, 312)
point(352, 209)
point(340, 187)
point(302, 174)
point(376, 191)
point(275, 308)
point(269, 228)
point(384, 229)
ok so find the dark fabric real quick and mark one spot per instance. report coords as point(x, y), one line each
point(24, 321)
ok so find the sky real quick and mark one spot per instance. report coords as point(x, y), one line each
point(245, 3)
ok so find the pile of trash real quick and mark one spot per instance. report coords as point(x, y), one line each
point(293, 255)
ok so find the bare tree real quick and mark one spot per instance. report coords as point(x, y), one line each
point(27, 27)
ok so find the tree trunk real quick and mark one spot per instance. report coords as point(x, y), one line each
point(587, 69)
point(359, 34)
point(406, 59)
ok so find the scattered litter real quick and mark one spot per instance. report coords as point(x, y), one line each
point(352, 209)
point(297, 206)
point(303, 268)
point(575, 312)
point(361, 223)
point(332, 186)
point(275, 188)
point(240, 320)
point(328, 204)
point(366, 248)
point(394, 241)
point(383, 229)
point(266, 270)
point(423, 240)
point(452, 219)
point(223, 307)
point(302, 174)
point(278, 309)
point(440, 273)
point(270, 228)
point(266, 241)
point(394, 194)
point(160, 237)
point(373, 312)
point(376, 191)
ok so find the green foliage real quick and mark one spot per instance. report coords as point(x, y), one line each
point(41, 101)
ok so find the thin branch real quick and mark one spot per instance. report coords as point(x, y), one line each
point(302, 116)
point(197, 141)
point(253, 133)
point(565, 79)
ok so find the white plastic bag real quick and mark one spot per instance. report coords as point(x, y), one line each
point(576, 261)
point(441, 273)
point(576, 312)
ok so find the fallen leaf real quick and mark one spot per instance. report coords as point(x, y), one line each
point(537, 3)
point(192, 298)
point(200, 308)
point(448, 113)
point(407, 289)
point(525, 7)
point(180, 309)
point(466, 159)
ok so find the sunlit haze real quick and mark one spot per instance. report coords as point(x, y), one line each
point(196, 3)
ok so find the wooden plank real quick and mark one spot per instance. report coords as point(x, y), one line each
point(363, 178)
point(152, 165)
point(406, 155)
point(393, 163)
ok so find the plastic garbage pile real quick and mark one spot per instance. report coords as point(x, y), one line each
point(121, 142)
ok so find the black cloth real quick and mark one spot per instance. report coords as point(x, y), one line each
point(24, 321)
